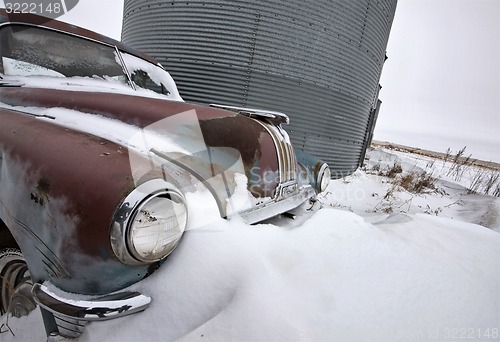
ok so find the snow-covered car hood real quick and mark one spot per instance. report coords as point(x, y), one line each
point(182, 128)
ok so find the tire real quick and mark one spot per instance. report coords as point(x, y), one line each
point(15, 284)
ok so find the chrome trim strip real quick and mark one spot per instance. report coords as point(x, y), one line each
point(125, 69)
point(99, 309)
point(275, 117)
point(282, 160)
point(288, 153)
point(69, 328)
point(291, 152)
point(60, 31)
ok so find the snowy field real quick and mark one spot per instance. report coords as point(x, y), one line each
point(378, 262)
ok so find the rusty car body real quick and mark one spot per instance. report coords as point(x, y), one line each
point(97, 155)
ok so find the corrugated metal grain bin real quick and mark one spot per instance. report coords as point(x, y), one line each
point(318, 61)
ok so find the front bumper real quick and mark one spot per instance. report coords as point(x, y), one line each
point(284, 203)
point(71, 315)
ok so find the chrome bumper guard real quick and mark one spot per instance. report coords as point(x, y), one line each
point(273, 208)
point(71, 315)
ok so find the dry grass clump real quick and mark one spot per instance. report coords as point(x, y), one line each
point(485, 181)
point(417, 182)
point(460, 164)
point(395, 170)
point(390, 172)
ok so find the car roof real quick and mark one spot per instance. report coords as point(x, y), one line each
point(43, 22)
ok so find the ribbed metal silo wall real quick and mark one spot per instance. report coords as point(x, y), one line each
point(318, 61)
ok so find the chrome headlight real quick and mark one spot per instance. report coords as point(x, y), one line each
point(324, 176)
point(149, 224)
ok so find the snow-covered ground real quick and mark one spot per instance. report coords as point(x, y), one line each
point(376, 263)
point(370, 194)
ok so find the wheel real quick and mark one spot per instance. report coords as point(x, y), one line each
point(15, 284)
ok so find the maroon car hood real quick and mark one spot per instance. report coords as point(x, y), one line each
point(220, 128)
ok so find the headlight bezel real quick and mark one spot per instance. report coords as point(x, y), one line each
point(126, 213)
point(324, 178)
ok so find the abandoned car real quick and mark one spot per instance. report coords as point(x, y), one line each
point(98, 153)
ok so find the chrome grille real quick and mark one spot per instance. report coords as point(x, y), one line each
point(271, 121)
point(285, 152)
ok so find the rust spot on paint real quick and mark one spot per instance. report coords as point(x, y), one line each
point(43, 186)
point(41, 194)
point(37, 199)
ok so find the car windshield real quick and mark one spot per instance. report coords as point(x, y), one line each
point(30, 51)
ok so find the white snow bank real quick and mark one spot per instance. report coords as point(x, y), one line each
point(373, 196)
point(336, 277)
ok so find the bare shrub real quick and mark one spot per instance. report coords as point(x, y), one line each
point(407, 181)
point(491, 181)
point(485, 182)
point(460, 164)
point(425, 181)
point(496, 193)
point(447, 155)
point(417, 182)
point(476, 182)
point(394, 170)
point(459, 154)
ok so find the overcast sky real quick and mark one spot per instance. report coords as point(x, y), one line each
point(441, 83)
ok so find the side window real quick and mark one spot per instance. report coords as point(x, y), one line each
point(142, 79)
point(148, 75)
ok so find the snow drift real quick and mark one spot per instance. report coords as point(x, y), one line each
point(338, 275)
